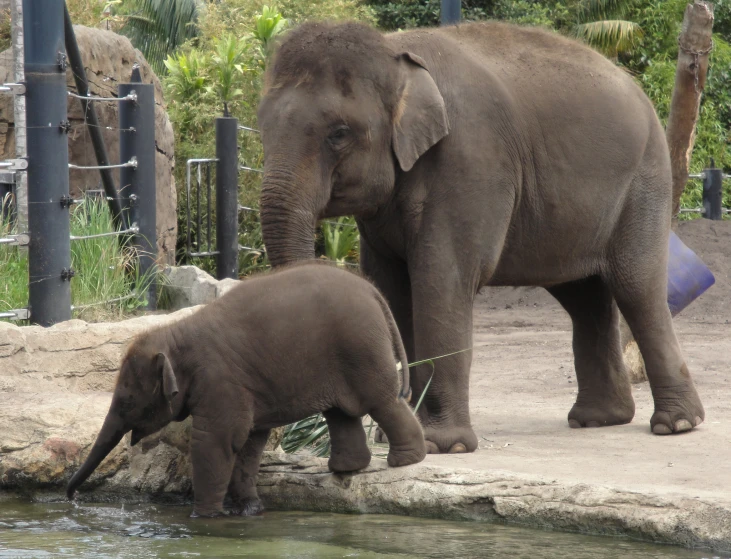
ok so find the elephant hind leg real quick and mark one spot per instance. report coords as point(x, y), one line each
point(605, 395)
point(406, 443)
point(348, 446)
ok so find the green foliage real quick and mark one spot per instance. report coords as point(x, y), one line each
point(610, 36)
point(159, 27)
point(340, 239)
point(186, 78)
point(269, 24)
point(104, 270)
point(528, 12)
point(5, 30)
point(227, 65)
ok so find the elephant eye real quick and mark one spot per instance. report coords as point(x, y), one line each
point(339, 134)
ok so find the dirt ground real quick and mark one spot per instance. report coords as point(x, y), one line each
point(523, 385)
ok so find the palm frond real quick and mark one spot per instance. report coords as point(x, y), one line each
point(610, 36)
point(159, 27)
point(597, 10)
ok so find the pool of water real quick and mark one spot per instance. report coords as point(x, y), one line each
point(32, 531)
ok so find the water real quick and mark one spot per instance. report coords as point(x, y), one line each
point(30, 531)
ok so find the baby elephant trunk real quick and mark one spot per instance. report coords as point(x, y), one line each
point(112, 432)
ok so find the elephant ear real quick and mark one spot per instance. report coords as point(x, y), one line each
point(420, 117)
point(169, 384)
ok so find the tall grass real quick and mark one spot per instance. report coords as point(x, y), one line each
point(104, 270)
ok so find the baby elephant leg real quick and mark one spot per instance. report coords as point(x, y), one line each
point(348, 447)
point(405, 435)
point(242, 487)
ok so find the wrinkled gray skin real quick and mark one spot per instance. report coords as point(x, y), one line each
point(273, 350)
point(473, 155)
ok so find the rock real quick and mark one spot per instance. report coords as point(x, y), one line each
point(71, 356)
point(186, 286)
point(225, 285)
point(633, 361)
point(108, 60)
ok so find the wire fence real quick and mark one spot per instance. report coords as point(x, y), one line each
point(49, 241)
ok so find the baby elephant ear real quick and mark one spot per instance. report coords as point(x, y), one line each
point(169, 384)
point(420, 117)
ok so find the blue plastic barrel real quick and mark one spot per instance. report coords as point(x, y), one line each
point(688, 276)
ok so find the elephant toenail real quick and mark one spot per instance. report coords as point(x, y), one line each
point(431, 448)
point(661, 429)
point(698, 421)
point(683, 425)
point(593, 424)
point(574, 424)
point(457, 448)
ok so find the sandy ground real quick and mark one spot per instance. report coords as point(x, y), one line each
point(523, 385)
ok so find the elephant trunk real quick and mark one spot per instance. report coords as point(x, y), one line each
point(112, 432)
point(288, 217)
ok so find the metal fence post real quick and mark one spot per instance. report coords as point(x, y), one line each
point(49, 256)
point(227, 204)
point(137, 184)
point(451, 12)
point(713, 192)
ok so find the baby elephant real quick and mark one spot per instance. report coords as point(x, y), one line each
point(276, 349)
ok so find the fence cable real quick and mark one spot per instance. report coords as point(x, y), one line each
point(132, 96)
point(133, 229)
point(245, 168)
point(131, 163)
point(241, 127)
point(117, 300)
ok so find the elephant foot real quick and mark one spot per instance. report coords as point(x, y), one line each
point(398, 457)
point(208, 514)
point(676, 410)
point(601, 416)
point(248, 507)
point(454, 440)
point(349, 461)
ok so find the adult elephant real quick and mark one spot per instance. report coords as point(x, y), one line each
point(482, 154)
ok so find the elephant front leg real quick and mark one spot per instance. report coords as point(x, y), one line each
point(242, 487)
point(443, 325)
point(212, 458)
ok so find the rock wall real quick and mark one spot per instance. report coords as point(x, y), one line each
point(108, 60)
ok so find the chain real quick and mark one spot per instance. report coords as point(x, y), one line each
point(695, 54)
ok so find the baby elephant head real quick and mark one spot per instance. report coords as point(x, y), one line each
point(144, 402)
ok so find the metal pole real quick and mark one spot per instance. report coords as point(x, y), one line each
point(82, 86)
point(451, 12)
point(713, 193)
point(137, 139)
point(49, 264)
point(227, 204)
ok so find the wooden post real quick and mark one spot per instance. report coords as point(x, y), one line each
point(21, 184)
point(694, 46)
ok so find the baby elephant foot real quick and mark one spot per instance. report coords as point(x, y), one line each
point(676, 411)
point(349, 461)
point(249, 507)
point(398, 457)
point(208, 514)
point(455, 440)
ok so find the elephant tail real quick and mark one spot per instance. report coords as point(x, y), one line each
point(398, 348)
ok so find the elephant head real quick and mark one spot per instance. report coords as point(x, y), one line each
point(144, 401)
point(342, 114)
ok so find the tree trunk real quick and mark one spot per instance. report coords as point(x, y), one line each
point(695, 45)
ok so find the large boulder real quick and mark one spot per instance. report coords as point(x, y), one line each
point(108, 60)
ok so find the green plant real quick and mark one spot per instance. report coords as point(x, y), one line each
point(340, 239)
point(227, 66)
point(186, 77)
point(269, 24)
point(159, 27)
point(104, 271)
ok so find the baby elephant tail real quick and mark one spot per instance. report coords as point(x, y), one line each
point(398, 348)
